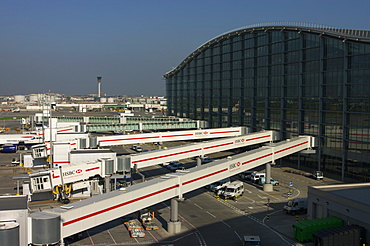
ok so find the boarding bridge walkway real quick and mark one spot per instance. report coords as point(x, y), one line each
point(83, 215)
point(82, 141)
point(105, 163)
point(119, 123)
point(112, 140)
point(198, 149)
point(141, 126)
point(154, 157)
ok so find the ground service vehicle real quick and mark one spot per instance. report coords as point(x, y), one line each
point(252, 241)
point(146, 218)
point(232, 191)
point(296, 205)
point(138, 149)
point(318, 175)
point(219, 184)
point(262, 181)
point(206, 160)
point(8, 149)
point(246, 175)
point(256, 176)
point(175, 165)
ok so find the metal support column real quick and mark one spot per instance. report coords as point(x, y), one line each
point(267, 186)
point(174, 225)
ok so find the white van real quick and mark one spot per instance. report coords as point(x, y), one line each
point(233, 190)
point(219, 184)
point(256, 176)
point(296, 205)
point(246, 175)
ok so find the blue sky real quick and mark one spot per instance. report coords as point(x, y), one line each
point(63, 46)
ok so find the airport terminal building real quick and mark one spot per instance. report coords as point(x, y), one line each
point(296, 78)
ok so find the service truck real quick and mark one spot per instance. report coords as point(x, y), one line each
point(296, 205)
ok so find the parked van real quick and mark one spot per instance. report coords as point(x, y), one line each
point(296, 205)
point(246, 175)
point(219, 184)
point(256, 176)
point(232, 191)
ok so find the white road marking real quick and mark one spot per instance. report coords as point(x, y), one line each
point(250, 199)
point(198, 206)
point(211, 214)
point(226, 224)
point(282, 238)
point(112, 237)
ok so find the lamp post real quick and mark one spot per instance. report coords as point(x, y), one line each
point(51, 161)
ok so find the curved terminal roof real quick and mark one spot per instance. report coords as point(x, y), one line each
point(350, 34)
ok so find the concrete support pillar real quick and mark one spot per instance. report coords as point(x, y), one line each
point(174, 210)
point(199, 161)
point(268, 173)
point(174, 225)
point(107, 184)
point(268, 186)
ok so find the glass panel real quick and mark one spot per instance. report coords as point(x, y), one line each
point(311, 40)
point(333, 47)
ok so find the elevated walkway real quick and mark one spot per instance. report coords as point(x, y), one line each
point(85, 214)
point(120, 123)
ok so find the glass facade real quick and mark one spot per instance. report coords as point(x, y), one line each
point(295, 80)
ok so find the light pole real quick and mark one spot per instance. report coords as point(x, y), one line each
point(51, 161)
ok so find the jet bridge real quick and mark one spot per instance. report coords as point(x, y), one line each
point(199, 149)
point(62, 155)
point(85, 165)
point(170, 136)
point(79, 216)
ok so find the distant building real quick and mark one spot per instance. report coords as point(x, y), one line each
point(296, 78)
